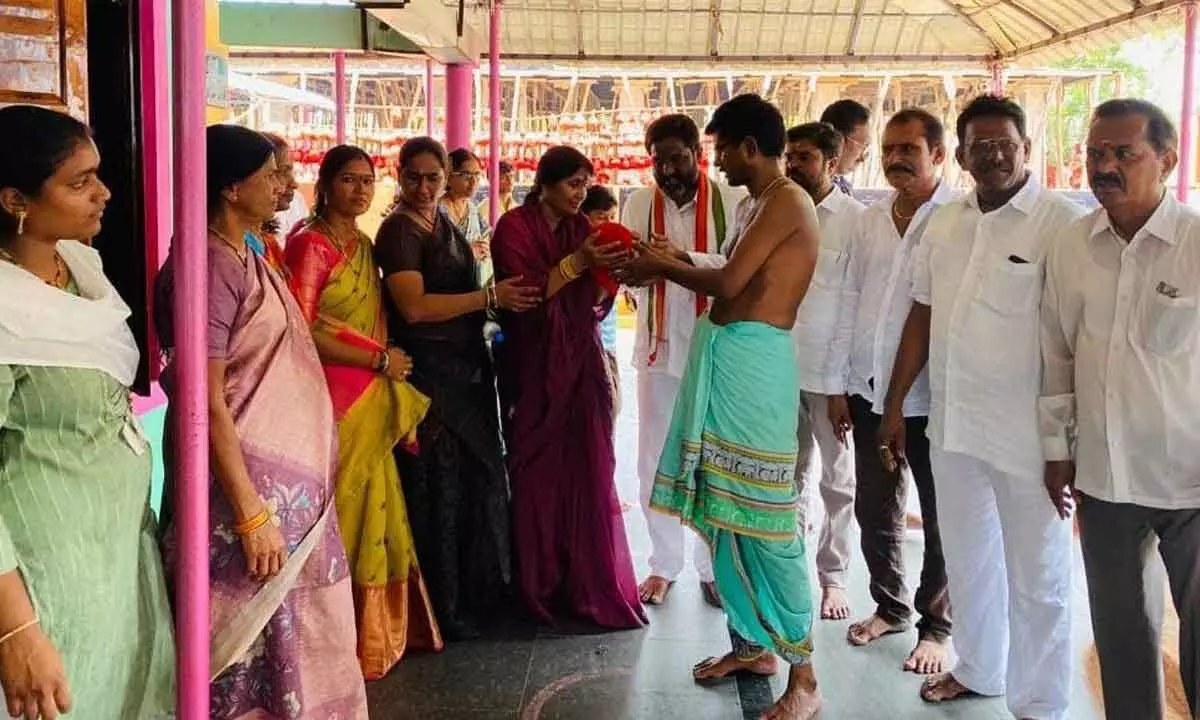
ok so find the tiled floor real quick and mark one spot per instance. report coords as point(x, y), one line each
point(523, 673)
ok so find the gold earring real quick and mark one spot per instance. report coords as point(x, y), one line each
point(20, 223)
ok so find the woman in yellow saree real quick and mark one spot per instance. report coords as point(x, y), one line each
point(336, 282)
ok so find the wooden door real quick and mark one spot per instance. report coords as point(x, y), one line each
point(43, 54)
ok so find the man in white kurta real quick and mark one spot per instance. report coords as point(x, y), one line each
point(977, 279)
point(1121, 402)
point(672, 211)
point(812, 157)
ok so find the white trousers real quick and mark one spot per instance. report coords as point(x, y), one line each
point(818, 443)
point(1008, 559)
point(656, 394)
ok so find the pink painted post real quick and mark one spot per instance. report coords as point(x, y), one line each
point(339, 96)
point(997, 85)
point(494, 115)
point(155, 108)
point(429, 103)
point(190, 401)
point(1186, 138)
point(460, 87)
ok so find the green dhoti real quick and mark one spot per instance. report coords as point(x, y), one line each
point(728, 471)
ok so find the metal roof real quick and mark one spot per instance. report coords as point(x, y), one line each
point(784, 34)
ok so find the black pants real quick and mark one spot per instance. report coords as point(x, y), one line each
point(1125, 591)
point(879, 506)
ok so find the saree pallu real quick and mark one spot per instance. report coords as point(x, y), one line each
point(728, 471)
point(285, 648)
point(556, 404)
point(342, 295)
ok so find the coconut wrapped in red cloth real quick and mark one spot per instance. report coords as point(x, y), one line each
point(607, 234)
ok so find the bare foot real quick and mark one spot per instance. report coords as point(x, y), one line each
point(868, 631)
point(801, 700)
point(927, 658)
point(943, 687)
point(654, 590)
point(713, 668)
point(834, 604)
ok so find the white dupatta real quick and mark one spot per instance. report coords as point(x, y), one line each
point(43, 326)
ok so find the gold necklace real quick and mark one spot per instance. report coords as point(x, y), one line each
point(62, 273)
point(343, 247)
point(899, 215)
point(458, 215)
point(239, 251)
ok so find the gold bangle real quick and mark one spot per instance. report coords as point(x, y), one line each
point(18, 630)
point(567, 267)
point(253, 523)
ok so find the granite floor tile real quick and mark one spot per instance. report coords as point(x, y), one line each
point(485, 676)
point(576, 675)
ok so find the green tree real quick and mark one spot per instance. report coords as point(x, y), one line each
point(1068, 125)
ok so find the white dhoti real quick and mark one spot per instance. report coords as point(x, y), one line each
point(1008, 558)
point(656, 392)
point(835, 487)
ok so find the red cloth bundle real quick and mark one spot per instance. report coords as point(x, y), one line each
point(607, 234)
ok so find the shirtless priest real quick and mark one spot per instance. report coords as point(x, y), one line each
point(728, 466)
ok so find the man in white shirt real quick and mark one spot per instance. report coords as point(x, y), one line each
point(696, 216)
point(876, 300)
point(1121, 399)
point(853, 121)
point(812, 156)
point(977, 279)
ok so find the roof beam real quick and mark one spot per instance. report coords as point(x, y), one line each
point(855, 26)
point(775, 60)
point(546, 7)
point(578, 4)
point(714, 28)
point(1139, 12)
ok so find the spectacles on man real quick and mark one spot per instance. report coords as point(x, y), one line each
point(989, 146)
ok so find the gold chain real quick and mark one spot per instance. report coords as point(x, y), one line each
point(239, 251)
point(62, 273)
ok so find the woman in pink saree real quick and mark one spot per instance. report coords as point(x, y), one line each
point(282, 616)
point(571, 550)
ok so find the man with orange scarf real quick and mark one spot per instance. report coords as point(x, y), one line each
point(695, 216)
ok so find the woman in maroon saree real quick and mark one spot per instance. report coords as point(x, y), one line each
point(570, 545)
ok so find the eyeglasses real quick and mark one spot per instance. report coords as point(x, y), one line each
point(984, 148)
point(433, 178)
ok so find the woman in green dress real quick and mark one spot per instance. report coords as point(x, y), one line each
point(84, 622)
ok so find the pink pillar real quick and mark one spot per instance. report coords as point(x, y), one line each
point(1186, 139)
point(155, 108)
point(339, 96)
point(460, 87)
point(190, 401)
point(494, 116)
point(430, 115)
